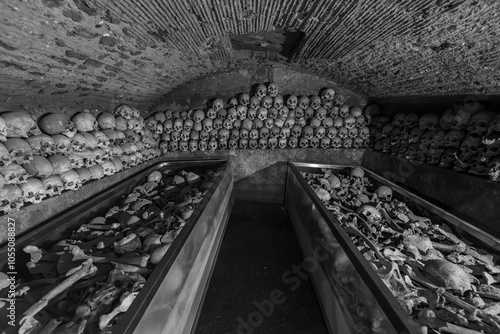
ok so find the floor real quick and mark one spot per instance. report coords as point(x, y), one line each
point(256, 285)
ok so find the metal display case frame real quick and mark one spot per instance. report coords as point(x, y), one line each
point(196, 245)
point(305, 209)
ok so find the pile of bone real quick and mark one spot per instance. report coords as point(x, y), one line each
point(81, 284)
point(265, 121)
point(440, 280)
point(461, 139)
point(41, 158)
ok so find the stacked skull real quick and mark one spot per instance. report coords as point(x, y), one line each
point(463, 139)
point(41, 158)
point(266, 120)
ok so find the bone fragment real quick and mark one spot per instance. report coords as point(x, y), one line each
point(125, 301)
point(488, 259)
point(428, 317)
point(84, 270)
point(449, 248)
point(38, 254)
point(128, 268)
point(391, 222)
point(490, 280)
point(493, 309)
point(50, 326)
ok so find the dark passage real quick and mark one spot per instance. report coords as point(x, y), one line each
point(255, 267)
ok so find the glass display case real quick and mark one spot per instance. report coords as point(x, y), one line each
point(353, 297)
point(171, 297)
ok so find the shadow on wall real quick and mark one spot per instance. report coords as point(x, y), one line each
point(227, 85)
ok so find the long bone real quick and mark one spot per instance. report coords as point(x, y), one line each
point(491, 320)
point(125, 301)
point(84, 270)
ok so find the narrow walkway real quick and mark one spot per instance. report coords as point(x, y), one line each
point(254, 288)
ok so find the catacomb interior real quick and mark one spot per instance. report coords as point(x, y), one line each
point(241, 106)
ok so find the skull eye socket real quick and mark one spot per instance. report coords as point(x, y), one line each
point(5, 202)
point(30, 194)
point(70, 183)
point(48, 187)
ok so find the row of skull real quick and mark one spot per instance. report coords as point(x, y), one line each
point(459, 139)
point(261, 143)
point(47, 177)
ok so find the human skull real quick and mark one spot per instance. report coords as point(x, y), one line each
point(232, 144)
point(277, 102)
point(360, 121)
point(71, 180)
point(350, 122)
point(325, 142)
point(347, 142)
point(272, 143)
point(387, 130)
point(125, 111)
point(211, 113)
point(296, 131)
point(332, 132)
point(280, 122)
point(308, 132)
point(33, 190)
point(364, 132)
point(343, 132)
point(319, 132)
point(492, 150)
point(241, 112)
point(217, 105)
point(222, 114)
point(90, 140)
point(289, 123)
point(429, 121)
point(107, 121)
point(291, 102)
point(338, 122)
point(320, 113)
point(14, 174)
point(260, 91)
point(264, 133)
point(263, 143)
point(78, 142)
point(355, 111)
point(217, 124)
point(108, 167)
point(272, 89)
point(183, 146)
point(299, 113)
point(315, 102)
point(304, 102)
point(269, 123)
point(358, 142)
point(11, 198)
point(18, 124)
point(212, 145)
point(344, 111)
point(285, 132)
point(448, 157)
point(53, 124)
point(415, 135)
point(244, 100)
point(42, 144)
point(336, 143)
point(19, 149)
point(5, 156)
point(462, 117)
point(227, 124)
point(372, 215)
point(454, 138)
point(478, 124)
point(85, 121)
point(97, 171)
point(253, 144)
point(262, 113)
point(327, 95)
point(303, 142)
point(293, 142)
point(398, 119)
point(254, 102)
point(266, 102)
point(60, 163)
point(353, 133)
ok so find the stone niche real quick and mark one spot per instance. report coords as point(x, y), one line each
point(227, 85)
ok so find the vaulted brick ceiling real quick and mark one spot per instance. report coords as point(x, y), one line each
point(100, 52)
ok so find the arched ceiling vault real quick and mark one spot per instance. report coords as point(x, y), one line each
point(77, 53)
